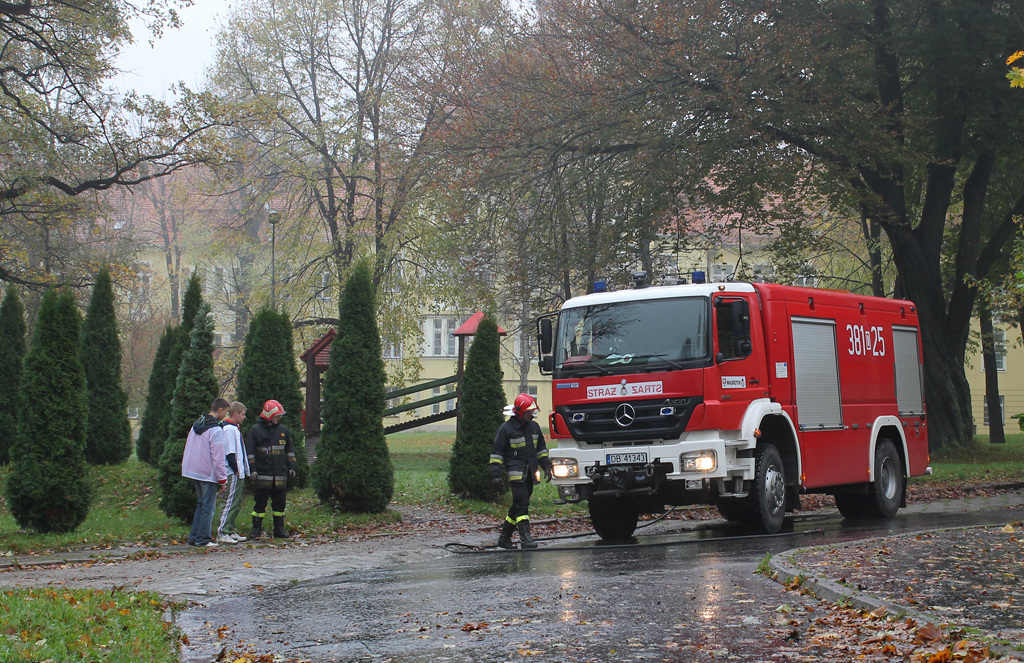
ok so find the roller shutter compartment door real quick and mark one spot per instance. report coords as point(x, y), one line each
point(907, 365)
point(816, 371)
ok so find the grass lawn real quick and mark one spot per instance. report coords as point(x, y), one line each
point(85, 624)
point(48, 624)
point(980, 462)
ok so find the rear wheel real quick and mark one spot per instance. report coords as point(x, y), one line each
point(769, 490)
point(613, 519)
point(884, 494)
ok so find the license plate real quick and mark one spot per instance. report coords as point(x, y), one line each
point(619, 459)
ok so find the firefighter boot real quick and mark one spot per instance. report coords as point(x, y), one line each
point(525, 540)
point(257, 528)
point(279, 531)
point(505, 540)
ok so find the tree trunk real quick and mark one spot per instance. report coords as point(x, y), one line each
point(951, 422)
point(524, 345)
point(988, 351)
point(872, 236)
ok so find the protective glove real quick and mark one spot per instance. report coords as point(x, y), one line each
point(291, 473)
point(498, 482)
point(547, 476)
point(255, 477)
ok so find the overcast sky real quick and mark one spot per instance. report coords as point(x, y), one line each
point(181, 55)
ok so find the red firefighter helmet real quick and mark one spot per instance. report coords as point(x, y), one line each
point(271, 409)
point(524, 403)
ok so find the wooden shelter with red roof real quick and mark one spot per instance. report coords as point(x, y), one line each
point(318, 357)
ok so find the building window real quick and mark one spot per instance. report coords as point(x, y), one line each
point(1002, 409)
point(391, 350)
point(442, 343)
point(999, 342)
point(392, 402)
point(449, 405)
point(326, 285)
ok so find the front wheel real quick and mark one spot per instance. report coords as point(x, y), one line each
point(613, 519)
point(769, 490)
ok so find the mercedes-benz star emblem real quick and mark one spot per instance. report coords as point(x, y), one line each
point(625, 415)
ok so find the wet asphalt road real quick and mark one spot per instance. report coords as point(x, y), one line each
point(685, 591)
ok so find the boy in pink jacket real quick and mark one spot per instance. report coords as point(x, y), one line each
point(203, 462)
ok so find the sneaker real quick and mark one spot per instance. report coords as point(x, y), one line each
point(211, 544)
point(238, 537)
point(227, 538)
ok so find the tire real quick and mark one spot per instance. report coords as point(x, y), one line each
point(613, 519)
point(768, 498)
point(884, 494)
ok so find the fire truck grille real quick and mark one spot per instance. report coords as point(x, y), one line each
point(617, 421)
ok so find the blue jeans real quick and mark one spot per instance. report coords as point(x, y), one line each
point(202, 521)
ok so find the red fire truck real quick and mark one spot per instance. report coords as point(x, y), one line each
point(739, 395)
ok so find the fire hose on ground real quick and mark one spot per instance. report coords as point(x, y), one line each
point(469, 549)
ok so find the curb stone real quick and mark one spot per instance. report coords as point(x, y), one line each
point(827, 589)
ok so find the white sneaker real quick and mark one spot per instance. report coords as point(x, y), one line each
point(238, 537)
point(211, 544)
point(227, 538)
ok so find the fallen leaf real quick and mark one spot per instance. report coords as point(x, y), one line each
point(927, 633)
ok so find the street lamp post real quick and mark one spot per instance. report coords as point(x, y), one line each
point(273, 217)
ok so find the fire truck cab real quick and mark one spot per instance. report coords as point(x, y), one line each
point(738, 395)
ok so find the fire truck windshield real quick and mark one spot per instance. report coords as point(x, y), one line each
point(626, 337)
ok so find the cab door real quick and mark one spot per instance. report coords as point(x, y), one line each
point(738, 374)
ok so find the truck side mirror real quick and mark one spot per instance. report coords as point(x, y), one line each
point(547, 364)
point(544, 335)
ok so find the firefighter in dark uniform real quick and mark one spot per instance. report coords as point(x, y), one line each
point(268, 445)
point(518, 451)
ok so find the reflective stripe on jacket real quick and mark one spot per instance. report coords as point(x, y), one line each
point(271, 454)
point(519, 450)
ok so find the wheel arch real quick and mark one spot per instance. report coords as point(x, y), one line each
point(766, 422)
point(889, 428)
point(777, 429)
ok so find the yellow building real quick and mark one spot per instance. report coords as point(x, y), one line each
point(1010, 367)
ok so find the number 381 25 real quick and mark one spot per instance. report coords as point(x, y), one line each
point(866, 340)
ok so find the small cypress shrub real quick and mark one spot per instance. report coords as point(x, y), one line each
point(48, 488)
point(108, 436)
point(158, 411)
point(196, 388)
point(190, 303)
point(480, 416)
point(268, 371)
point(353, 469)
point(12, 340)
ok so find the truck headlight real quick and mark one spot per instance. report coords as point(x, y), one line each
point(565, 468)
point(699, 461)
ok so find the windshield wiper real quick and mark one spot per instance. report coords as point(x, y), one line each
point(671, 363)
point(580, 363)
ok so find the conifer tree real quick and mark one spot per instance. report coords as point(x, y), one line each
point(480, 407)
point(48, 489)
point(191, 302)
point(195, 390)
point(353, 469)
point(12, 341)
point(158, 396)
point(268, 371)
point(108, 433)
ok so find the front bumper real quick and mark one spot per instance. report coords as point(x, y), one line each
point(582, 473)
